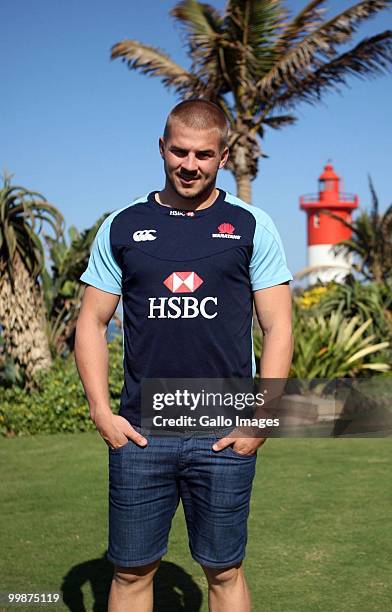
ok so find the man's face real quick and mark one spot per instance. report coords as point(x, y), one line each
point(192, 159)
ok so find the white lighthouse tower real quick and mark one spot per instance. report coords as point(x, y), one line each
point(325, 231)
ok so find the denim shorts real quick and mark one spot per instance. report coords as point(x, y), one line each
point(147, 484)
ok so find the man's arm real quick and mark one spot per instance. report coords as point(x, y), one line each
point(273, 309)
point(92, 360)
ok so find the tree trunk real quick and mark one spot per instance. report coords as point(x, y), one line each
point(22, 317)
point(244, 188)
point(243, 161)
point(376, 270)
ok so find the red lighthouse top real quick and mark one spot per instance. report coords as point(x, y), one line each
point(329, 173)
point(323, 229)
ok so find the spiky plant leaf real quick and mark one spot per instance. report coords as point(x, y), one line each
point(367, 351)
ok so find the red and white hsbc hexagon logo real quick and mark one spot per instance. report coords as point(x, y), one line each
point(182, 307)
point(183, 282)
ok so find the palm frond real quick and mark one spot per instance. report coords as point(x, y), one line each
point(254, 22)
point(371, 57)
point(305, 21)
point(374, 196)
point(201, 21)
point(340, 28)
point(252, 26)
point(279, 121)
point(301, 60)
point(154, 62)
point(386, 222)
point(350, 246)
point(203, 26)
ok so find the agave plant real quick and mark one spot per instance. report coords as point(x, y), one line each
point(368, 300)
point(24, 215)
point(258, 62)
point(334, 346)
point(365, 300)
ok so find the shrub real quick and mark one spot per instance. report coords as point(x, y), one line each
point(333, 346)
point(59, 403)
point(367, 301)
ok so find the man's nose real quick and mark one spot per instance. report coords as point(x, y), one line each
point(189, 163)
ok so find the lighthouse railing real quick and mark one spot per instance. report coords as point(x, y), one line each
point(315, 197)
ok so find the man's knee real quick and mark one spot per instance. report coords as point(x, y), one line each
point(131, 576)
point(222, 577)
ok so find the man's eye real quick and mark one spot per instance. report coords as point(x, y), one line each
point(179, 152)
point(203, 155)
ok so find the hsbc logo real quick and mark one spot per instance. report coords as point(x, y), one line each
point(183, 282)
point(188, 307)
point(142, 235)
point(182, 213)
point(182, 308)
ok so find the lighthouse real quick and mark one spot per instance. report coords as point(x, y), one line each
point(325, 231)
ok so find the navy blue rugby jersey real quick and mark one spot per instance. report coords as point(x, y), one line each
point(186, 280)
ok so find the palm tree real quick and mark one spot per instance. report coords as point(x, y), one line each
point(257, 63)
point(23, 215)
point(62, 289)
point(371, 241)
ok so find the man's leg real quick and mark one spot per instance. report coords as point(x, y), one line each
point(143, 497)
point(215, 489)
point(132, 588)
point(227, 589)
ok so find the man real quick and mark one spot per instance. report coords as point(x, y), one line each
point(189, 262)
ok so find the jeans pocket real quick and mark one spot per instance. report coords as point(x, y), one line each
point(231, 450)
point(119, 448)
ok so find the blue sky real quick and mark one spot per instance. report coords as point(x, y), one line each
point(83, 130)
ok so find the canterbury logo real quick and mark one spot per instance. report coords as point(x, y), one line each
point(142, 235)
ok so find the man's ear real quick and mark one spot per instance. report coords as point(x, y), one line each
point(224, 157)
point(161, 146)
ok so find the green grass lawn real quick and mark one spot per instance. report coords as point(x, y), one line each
point(319, 528)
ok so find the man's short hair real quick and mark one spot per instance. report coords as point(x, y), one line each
point(199, 114)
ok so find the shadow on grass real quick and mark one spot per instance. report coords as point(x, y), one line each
point(174, 589)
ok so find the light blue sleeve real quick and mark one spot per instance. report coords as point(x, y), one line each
point(103, 271)
point(268, 265)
